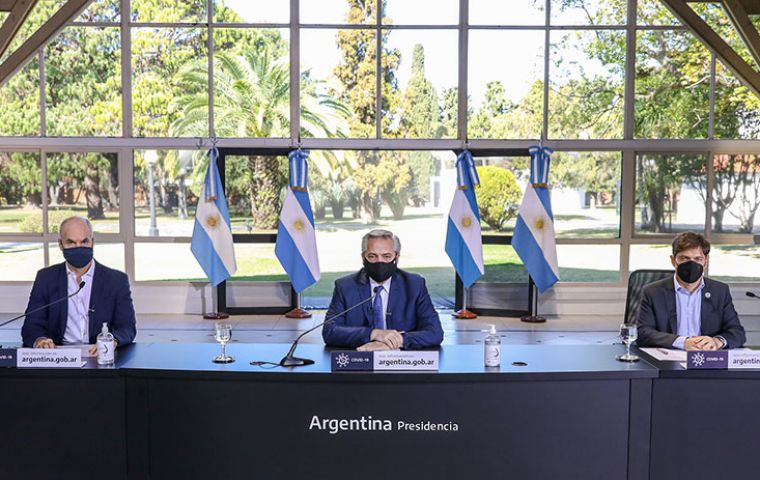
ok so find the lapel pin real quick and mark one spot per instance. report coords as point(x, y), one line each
point(707, 295)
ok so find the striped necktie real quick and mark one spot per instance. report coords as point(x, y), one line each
point(378, 316)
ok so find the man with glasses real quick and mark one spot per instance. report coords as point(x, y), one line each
point(397, 311)
point(689, 311)
point(96, 295)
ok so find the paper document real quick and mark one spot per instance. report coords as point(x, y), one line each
point(666, 354)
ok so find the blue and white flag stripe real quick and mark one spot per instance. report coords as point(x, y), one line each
point(464, 243)
point(534, 238)
point(212, 243)
point(296, 246)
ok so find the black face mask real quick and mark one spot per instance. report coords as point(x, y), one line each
point(690, 271)
point(380, 271)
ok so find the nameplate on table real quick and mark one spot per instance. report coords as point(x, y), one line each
point(384, 360)
point(49, 358)
point(7, 357)
point(743, 358)
point(723, 359)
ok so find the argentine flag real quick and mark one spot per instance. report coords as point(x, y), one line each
point(464, 244)
point(296, 246)
point(212, 236)
point(533, 239)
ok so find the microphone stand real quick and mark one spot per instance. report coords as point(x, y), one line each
point(290, 361)
point(81, 286)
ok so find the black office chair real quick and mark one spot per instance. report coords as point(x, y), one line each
point(636, 283)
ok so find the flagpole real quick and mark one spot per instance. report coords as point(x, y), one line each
point(298, 312)
point(463, 313)
point(533, 317)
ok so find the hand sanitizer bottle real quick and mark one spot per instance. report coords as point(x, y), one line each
point(105, 346)
point(492, 348)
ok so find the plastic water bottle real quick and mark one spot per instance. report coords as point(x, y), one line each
point(492, 348)
point(105, 346)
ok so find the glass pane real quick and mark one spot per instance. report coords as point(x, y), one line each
point(421, 12)
point(585, 192)
point(255, 188)
point(84, 98)
point(101, 11)
point(589, 12)
point(20, 102)
point(109, 254)
point(735, 263)
point(20, 193)
point(502, 265)
point(737, 110)
point(169, 11)
point(736, 194)
point(587, 77)
point(588, 263)
point(251, 84)
point(338, 12)
point(354, 192)
point(421, 70)
point(670, 192)
point(177, 177)
point(338, 81)
point(251, 11)
point(650, 257)
point(505, 102)
point(514, 12)
point(257, 262)
point(166, 261)
point(653, 12)
point(502, 183)
point(672, 85)
point(84, 184)
point(170, 75)
point(20, 261)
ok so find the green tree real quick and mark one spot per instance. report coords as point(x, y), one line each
point(420, 118)
point(498, 196)
point(253, 100)
point(357, 74)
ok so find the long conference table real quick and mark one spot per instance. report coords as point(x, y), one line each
point(165, 411)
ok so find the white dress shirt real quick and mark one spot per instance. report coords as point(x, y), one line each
point(383, 296)
point(78, 320)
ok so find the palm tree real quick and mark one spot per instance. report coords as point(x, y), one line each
point(252, 99)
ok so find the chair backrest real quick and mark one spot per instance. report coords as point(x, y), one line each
point(636, 283)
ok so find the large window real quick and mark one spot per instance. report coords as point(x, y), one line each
point(112, 119)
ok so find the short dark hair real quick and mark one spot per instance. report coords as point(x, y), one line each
point(688, 240)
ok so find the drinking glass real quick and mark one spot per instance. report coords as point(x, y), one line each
point(223, 335)
point(629, 332)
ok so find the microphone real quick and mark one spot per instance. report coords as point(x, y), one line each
point(751, 294)
point(81, 286)
point(290, 361)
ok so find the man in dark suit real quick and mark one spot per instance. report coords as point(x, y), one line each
point(105, 296)
point(399, 314)
point(689, 311)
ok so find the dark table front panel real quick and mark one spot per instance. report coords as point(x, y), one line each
point(705, 426)
point(62, 424)
point(528, 430)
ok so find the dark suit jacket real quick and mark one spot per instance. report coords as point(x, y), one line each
point(409, 310)
point(658, 320)
point(110, 302)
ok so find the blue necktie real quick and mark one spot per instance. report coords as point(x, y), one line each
point(378, 318)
